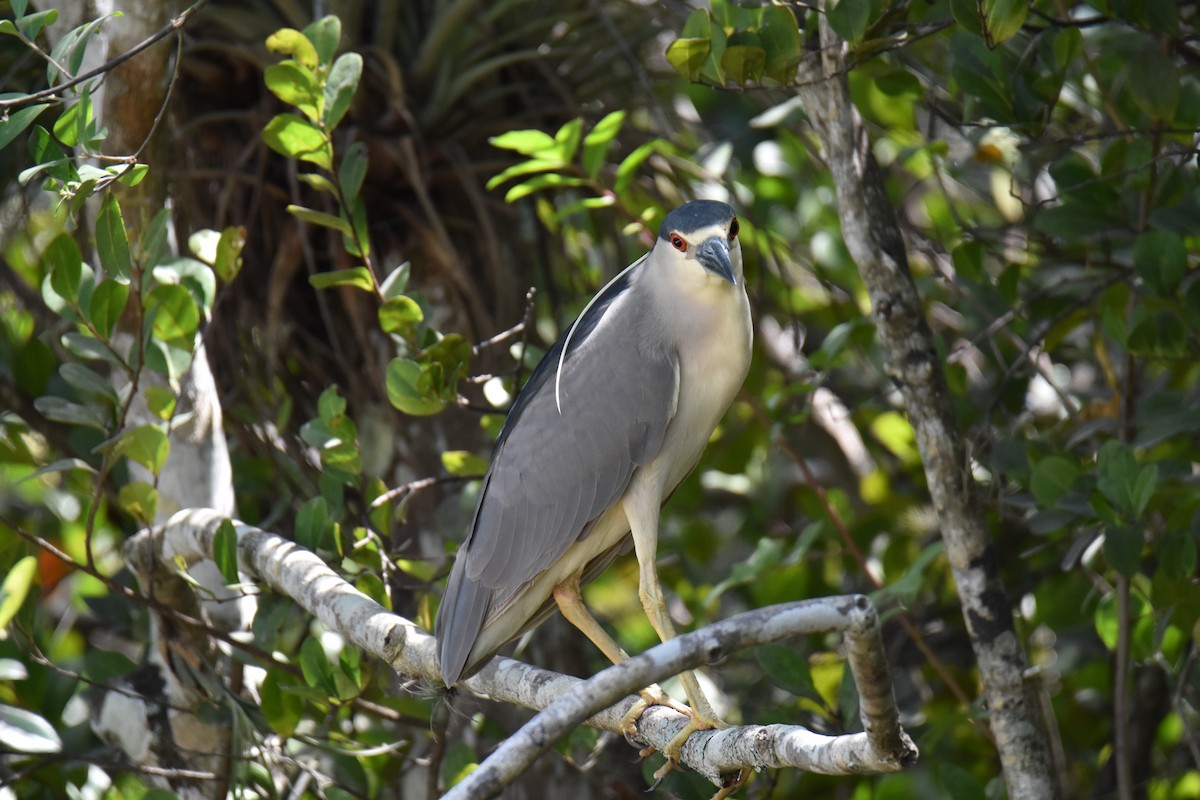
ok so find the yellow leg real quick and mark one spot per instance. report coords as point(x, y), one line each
point(643, 521)
point(570, 603)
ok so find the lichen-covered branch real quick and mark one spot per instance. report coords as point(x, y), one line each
point(873, 237)
point(602, 700)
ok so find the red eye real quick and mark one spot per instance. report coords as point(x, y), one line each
point(733, 229)
point(678, 243)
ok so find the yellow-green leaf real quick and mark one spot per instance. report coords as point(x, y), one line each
point(464, 463)
point(15, 588)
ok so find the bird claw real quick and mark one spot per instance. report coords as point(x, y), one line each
point(655, 696)
point(650, 696)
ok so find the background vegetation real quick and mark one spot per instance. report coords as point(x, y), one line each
point(1042, 158)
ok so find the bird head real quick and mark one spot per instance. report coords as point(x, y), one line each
point(704, 232)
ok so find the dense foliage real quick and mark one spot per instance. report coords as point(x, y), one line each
point(358, 205)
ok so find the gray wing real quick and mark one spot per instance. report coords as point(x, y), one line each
point(553, 473)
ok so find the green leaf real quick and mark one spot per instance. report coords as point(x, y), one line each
point(225, 551)
point(72, 124)
point(60, 410)
point(396, 281)
point(71, 48)
point(325, 34)
point(966, 13)
point(551, 180)
point(568, 138)
point(316, 668)
point(959, 783)
point(1160, 258)
point(627, 170)
point(228, 259)
point(850, 18)
point(108, 303)
point(1052, 478)
point(1003, 19)
point(340, 87)
point(65, 265)
point(787, 669)
point(312, 523)
point(530, 167)
point(744, 59)
point(146, 445)
point(407, 390)
point(314, 217)
point(1154, 81)
point(780, 36)
point(31, 26)
point(291, 42)
point(318, 182)
point(1123, 548)
point(1116, 471)
point(88, 383)
point(598, 141)
point(139, 500)
point(291, 136)
point(160, 401)
point(174, 315)
point(27, 732)
point(16, 122)
point(464, 463)
point(194, 276)
point(399, 314)
point(528, 142)
point(152, 244)
point(352, 171)
point(282, 710)
point(129, 174)
point(297, 86)
point(330, 405)
point(112, 242)
point(15, 588)
point(358, 277)
point(910, 584)
point(1143, 488)
point(688, 56)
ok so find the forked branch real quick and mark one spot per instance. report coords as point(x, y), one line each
point(566, 702)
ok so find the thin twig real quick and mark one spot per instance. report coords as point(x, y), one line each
point(175, 24)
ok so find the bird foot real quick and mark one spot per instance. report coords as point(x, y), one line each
point(696, 722)
point(653, 695)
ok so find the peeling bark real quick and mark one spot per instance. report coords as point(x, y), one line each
point(873, 237)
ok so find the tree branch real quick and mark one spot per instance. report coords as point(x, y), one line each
point(871, 233)
point(602, 700)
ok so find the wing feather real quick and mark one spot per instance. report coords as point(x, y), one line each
point(555, 472)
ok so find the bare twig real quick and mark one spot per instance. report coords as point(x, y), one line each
point(48, 93)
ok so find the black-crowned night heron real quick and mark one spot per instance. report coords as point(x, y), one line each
point(611, 420)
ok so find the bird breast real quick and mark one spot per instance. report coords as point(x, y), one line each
point(712, 335)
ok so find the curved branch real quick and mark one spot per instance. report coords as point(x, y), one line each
point(602, 700)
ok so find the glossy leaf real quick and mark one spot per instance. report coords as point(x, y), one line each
point(291, 136)
point(464, 463)
point(112, 242)
point(291, 42)
point(407, 390)
point(15, 588)
point(340, 87)
point(139, 500)
point(399, 314)
point(225, 551)
point(108, 303)
point(358, 277)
